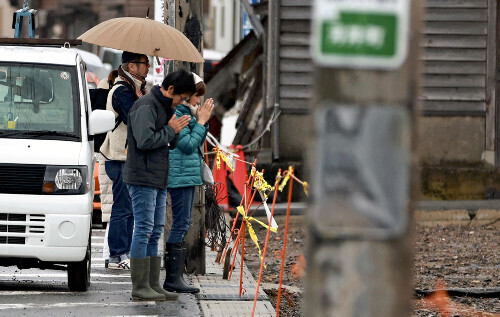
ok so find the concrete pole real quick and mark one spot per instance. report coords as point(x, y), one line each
point(359, 250)
point(186, 16)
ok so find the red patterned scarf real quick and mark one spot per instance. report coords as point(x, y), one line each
point(126, 77)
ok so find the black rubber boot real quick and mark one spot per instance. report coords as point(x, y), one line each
point(174, 267)
point(184, 261)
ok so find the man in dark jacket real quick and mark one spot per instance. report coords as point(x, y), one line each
point(127, 88)
point(152, 130)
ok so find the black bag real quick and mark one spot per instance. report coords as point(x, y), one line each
point(98, 100)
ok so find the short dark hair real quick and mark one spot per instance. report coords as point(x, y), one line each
point(182, 81)
point(130, 57)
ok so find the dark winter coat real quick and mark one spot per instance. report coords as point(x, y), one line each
point(148, 140)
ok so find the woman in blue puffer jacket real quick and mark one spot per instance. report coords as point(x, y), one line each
point(184, 175)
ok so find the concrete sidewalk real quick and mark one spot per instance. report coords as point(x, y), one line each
point(219, 297)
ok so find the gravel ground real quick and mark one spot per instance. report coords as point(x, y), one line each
point(463, 258)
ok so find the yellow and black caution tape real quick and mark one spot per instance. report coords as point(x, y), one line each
point(288, 174)
point(260, 183)
point(306, 188)
point(217, 160)
point(253, 236)
point(221, 155)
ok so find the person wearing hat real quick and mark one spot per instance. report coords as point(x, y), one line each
point(184, 175)
point(152, 130)
point(128, 87)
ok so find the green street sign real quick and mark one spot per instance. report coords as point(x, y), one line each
point(345, 35)
point(358, 35)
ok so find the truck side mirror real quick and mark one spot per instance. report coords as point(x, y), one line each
point(101, 121)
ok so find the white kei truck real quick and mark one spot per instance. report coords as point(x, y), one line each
point(46, 158)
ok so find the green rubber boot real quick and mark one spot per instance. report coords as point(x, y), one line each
point(154, 278)
point(139, 271)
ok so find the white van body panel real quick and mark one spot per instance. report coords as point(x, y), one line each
point(45, 55)
point(45, 152)
point(44, 253)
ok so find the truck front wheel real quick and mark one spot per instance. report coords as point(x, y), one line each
point(79, 273)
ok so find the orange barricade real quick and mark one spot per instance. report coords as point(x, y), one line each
point(240, 175)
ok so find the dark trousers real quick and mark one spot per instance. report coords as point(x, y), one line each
point(121, 222)
point(182, 208)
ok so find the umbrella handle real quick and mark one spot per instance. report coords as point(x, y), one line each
point(156, 54)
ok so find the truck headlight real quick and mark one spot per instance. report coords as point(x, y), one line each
point(68, 178)
point(65, 180)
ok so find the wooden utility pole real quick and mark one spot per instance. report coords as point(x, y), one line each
point(186, 16)
point(359, 251)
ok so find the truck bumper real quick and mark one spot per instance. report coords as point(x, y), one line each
point(48, 228)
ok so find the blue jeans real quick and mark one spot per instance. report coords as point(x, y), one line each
point(150, 206)
point(121, 222)
point(182, 208)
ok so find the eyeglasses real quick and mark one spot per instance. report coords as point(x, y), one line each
point(147, 63)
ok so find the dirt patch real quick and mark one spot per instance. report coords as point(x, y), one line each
point(465, 257)
point(292, 281)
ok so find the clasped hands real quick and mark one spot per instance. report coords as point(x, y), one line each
point(204, 114)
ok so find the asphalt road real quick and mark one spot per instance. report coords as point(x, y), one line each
point(38, 293)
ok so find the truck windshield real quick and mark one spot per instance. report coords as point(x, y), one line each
point(37, 97)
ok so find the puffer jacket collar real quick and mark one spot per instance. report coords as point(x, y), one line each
point(165, 101)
